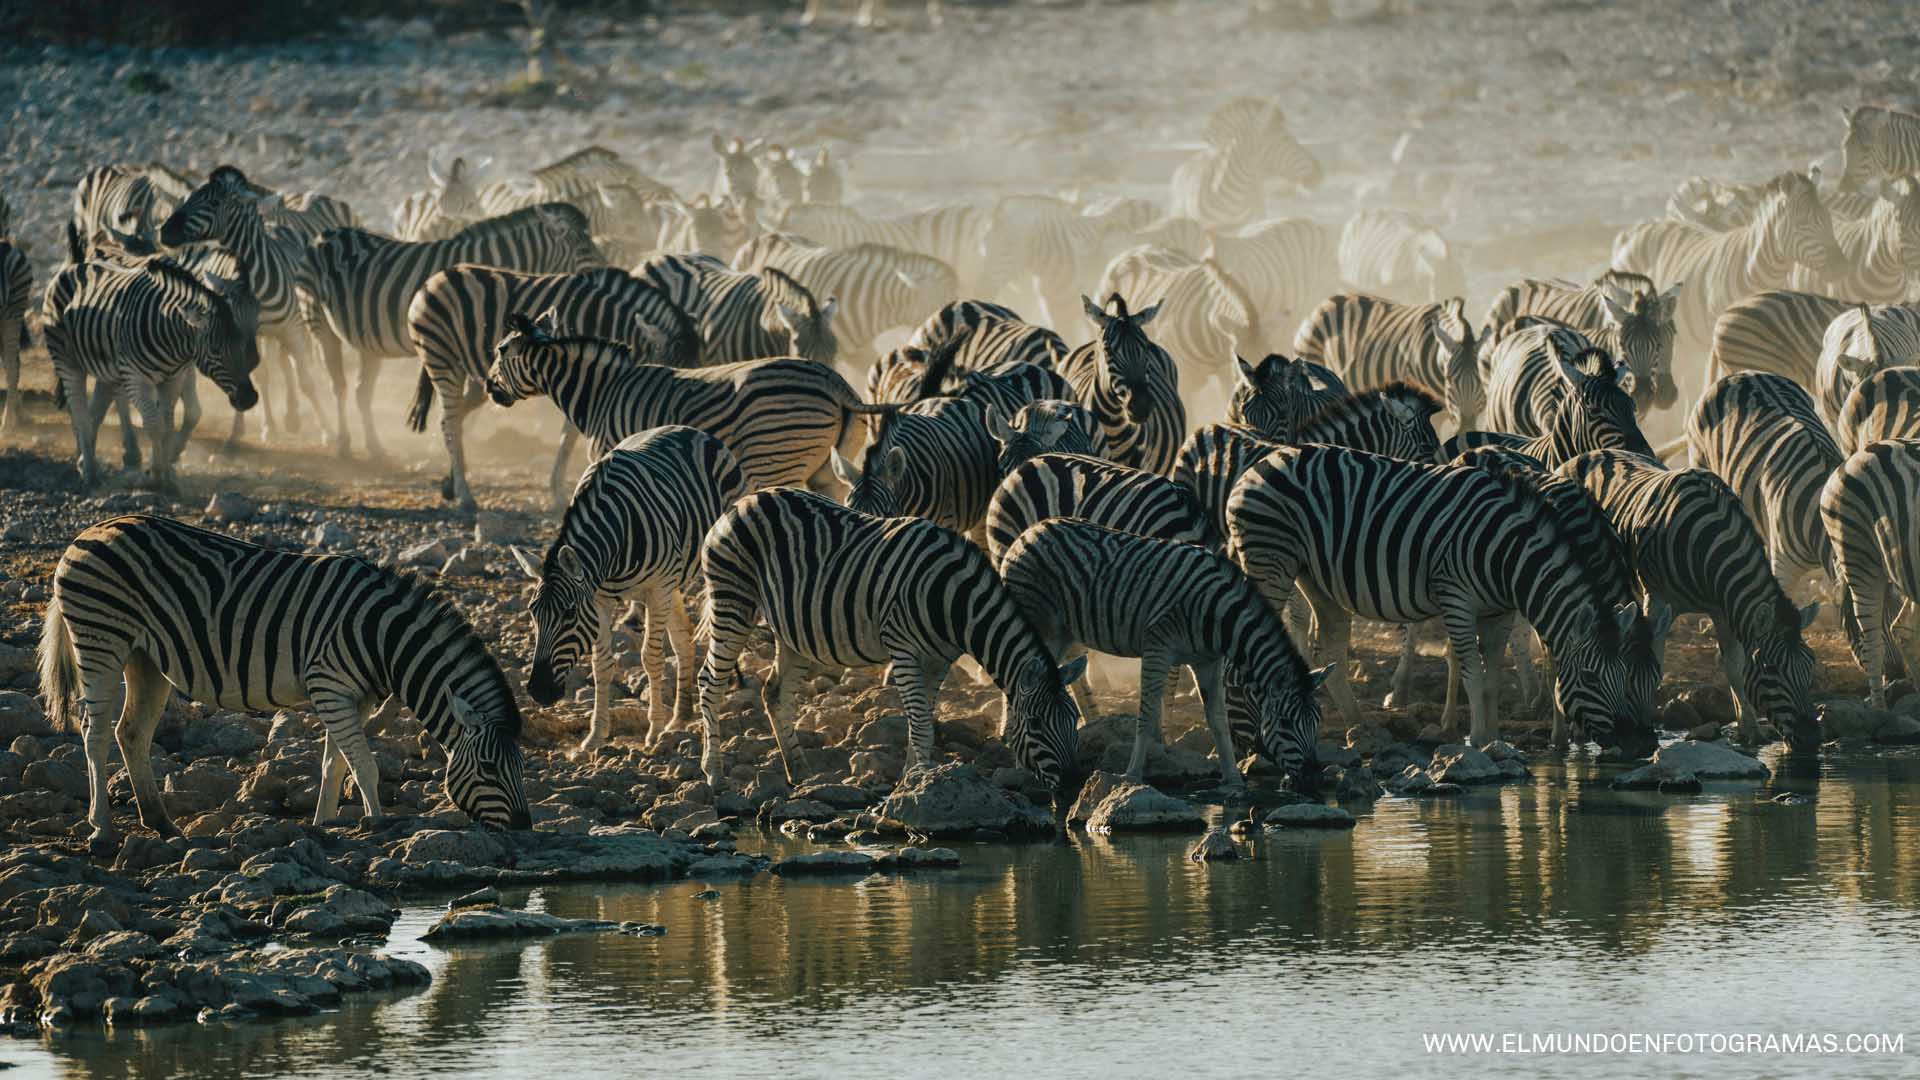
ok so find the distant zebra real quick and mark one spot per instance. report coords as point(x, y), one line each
point(1695, 550)
point(1041, 247)
point(1860, 341)
point(993, 334)
point(582, 178)
point(460, 313)
point(363, 287)
point(1277, 396)
point(935, 460)
point(843, 589)
point(952, 234)
point(1397, 255)
point(1224, 185)
point(440, 212)
point(1131, 384)
point(143, 331)
point(631, 534)
point(1286, 265)
point(1096, 490)
point(782, 184)
point(16, 281)
point(824, 184)
point(745, 316)
point(879, 288)
point(1760, 434)
point(1365, 340)
point(1620, 312)
point(778, 417)
point(1402, 542)
point(1880, 253)
point(167, 607)
point(713, 228)
point(1881, 144)
point(1206, 318)
point(738, 178)
point(1867, 509)
point(1886, 405)
point(1775, 331)
point(1083, 585)
point(1047, 427)
point(1791, 227)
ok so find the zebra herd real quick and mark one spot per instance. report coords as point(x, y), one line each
point(1000, 492)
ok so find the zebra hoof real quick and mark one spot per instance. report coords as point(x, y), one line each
point(103, 842)
point(446, 488)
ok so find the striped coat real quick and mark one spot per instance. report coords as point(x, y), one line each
point(1224, 185)
point(1881, 143)
point(1886, 405)
point(1867, 509)
point(1277, 396)
point(1620, 312)
point(878, 288)
point(745, 316)
point(1776, 331)
point(1131, 384)
point(1206, 318)
point(1860, 341)
point(1285, 265)
point(16, 280)
point(934, 460)
point(1395, 254)
point(1880, 252)
point(1367, 340)
point(1092, 489)
point(167, 607)
point(441, 211)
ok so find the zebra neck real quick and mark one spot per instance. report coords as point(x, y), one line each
point(1000, 639)
point(1259, 647)
point(1550, 601)
point(1770, 267)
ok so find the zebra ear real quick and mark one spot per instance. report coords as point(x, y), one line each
point(892, 464)
point(1659, 620)
point(547, 322)
point(843, 470)
point(1246, 370)
point(1671, 296)
point(1098, 317)
point(1615, 303)
point(1624, 378)
point(1808, 613)
point(1574, 377)
point(528, 564)
point(1072, 670)
point(568, 561)
point(1142, 318)
point(827, 309)
point(997, 426)
point(1624, 615)
point(789, 318)
point(519, 323)
point(1318, 677)
point(1858, 366)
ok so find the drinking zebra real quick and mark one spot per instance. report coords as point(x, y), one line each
point(1886, 405)
point(879, 288)
point(1083, 585)
point(1397, 255)
point(1881, 144)
point(631, 535)
point(168, 607)
point(935, 460)
point(16, 281)
point(1860, 341)
point(363, 288)
point(1131, 384)
point(1366, 340)
point(1206, 318)
point(1867, 510)
point(842, 589)
point(745, 316)
point(779, 417)
point(1620, 312)
point(1694, 549)
point(1760, 434)
point(460, 313)
point(1223, 186)
point(1401, 542)
point(1777, 331)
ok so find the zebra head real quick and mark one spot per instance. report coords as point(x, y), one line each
point(458, 198)
point(1274, 397)
point(1597, 412)
point(1643, 649)
point(1460, 361)
point(809, 328)
point(1129, 359)
point(1860, 151)
point(875, 489)
point(737, 170)
point(214, 209)
point(1044, 427)
point(1042, 724)
point(823, 184)
point(515, 358)
point(1283, 713)
point(1797, 228)
point(1780, 675)
point(484, 766)
point(781, 181)
point(1594, 683)
point(1642, 323)
point(225, 320)
point(566, 616)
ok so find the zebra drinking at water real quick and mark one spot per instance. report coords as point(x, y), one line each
point(1867, 510)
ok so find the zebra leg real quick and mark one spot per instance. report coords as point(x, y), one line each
point(1450, 712)
point(557, 486)
point(1333, 639)
point(1153, 692)
point(1494, 633)
point(85, 427)
point(1401, 696)
point(812, 13)
point(1211, 677)
point(1082, 690)
point(345, 719)
point(777, 697)
point(100, 688)
point(599, 729)
point(1870, 645)
point(333, 778)
point(10, 360)
point(187, 389)
point(918, 680)
point(1899, 638)
point(1733, 661)
point(680, 634)
point(654, 662)
point(159, 422)
point(146, 699)
point(1463, 637)
point(728, 632)
point(454, 409)
point(107, 394)
point(337, 375)
point(369, 382)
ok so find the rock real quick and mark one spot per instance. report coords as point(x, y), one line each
point(328, 536)
point(1097, 787)
point(468, 847)
point(1706, 732)
point(1356, 785)
point(826, 862)
point(93, 923)
point(120, 945)
point(1329, 753)
point(1368, 738)
point(1792, 798)
point(1458, 763)
point(1309, 816)
point(197, 859)
point(604, 853)
point(955, 800)
point(640, 929)
point(1394, 760)
point(476, 898)
point(714, 866)
point(473, 923)
point(1712, 704)
point(431, 554)
point(229, 508)
point(924, 858)
point(316, 921)
point(1682, 765)
point(139, 852)
point(1143, 808)
point(1412, 780)
point(1900, 729)
point(837, 796)
point(224, 735)
point(781, 811)
point(1677, 715)
point(463, 563)
point(1850, 719)
point(1213, 846)
point(21, 716)
point(56, 776)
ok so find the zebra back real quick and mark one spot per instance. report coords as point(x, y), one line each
point(1367, 339)
point(1096, 490)
point(1761, 435)
point(1886, 405)
point(1867, 511)
point(933, 460)
point(1396, 254)
point(1861, 340)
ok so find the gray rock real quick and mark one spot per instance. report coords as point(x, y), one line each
point(328, 536)
point(955, 800)
point(1213, 846)
point(1309, 816)
point(1680, 765)
point(1356, 785)
point(1458, 763)
point(826, 862)
point(837, 796)
point(230, 507)
point(476, 898)
point(714, 866)
point(1143, 808)
point(56, 776)
point(463, 563)
point(431, 554)
point(473, 923)
point(468, 847)
point(224, 735)
point(1394, 760)
point(1899, 729)
point(21, 716)
point(924, 858)
point(1848, 719)
point(1412, 780)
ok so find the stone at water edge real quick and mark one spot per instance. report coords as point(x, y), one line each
point(1676, 764)
point(1214, 846)
point(1394, 759)
point(826, 862)
point(1097, 787)
point(1143, 808)
point(470, 923)
point(1309, 816)
point(478, 898)
point(1458, 763)
point(954, 799)
point(1900, 729)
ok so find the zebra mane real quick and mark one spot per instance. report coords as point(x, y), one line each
point(1626, 281)
point(1232, 287)
point(939, 367)
point(525, 218)
point(1523, 490)
point(788, 290)
point(430, 604)
point(1365, 402)
point(595, 155)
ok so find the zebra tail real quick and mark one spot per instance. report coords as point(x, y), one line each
point(422, 401)
point(59, 667)
point(933, 380)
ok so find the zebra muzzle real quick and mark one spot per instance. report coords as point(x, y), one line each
point(499, 394)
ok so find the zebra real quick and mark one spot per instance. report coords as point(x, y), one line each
point(1285, 265)
point(1056, 485)
point(1040, 243)
point(1694, 549)
point(460, 313)
point(1083, 585)
point(1777, 331)
point(1881, 143)
point(16, 281)
point(168, 607)
point(1595, 412)
point(1223, 185)
point(1046, 427)
point(1398, 541)
point(843, 589)
point(1713, 204)
point(781, 184)
point(143, 329)
point(737, 179)
point(115, 198)
point(363, 288)
point(444, 210)
point(1886, 405)
point(1619, 312)
point(1759, 433)
point(1131, 384)
point(1278, 395)
point(1523, 390)
point(583, 178)
point(993, 334)
point(1367, 339)
point(745, 316)
point(1866, 509)
point(631, 534)
point(1860, 341)
point(879, 288)
point(1397, 255)
point(1880, 253)
point(309, 213)
point(823, 185)
point(709, 227)
point(1207, 318)
point(952, 233)
point(1791, 227)
point(936, 460)
point(778, 417)
point(907, 375)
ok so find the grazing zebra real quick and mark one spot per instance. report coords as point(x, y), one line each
point(1223, 186)
point(16, 280)
point(143, 330)
point(1880, 253)
point(1277, 396)
point(167, 607)
point(1860, 341)
point(879, 288)
point(1047, 427)
point(843, 589)
point(583, 178)
point(778, 417)
point(1403, 542)
point(1867, 510)
point(1529, 383)
point(1395, 254)
point(1886, 405)
point(936, 460)
point(1131, 384)
point(1083, 585)
point(1093, 489)
point(1206, 317)
point(1776, 331)
point(1791, 227)
point(1759, 433)
point(1620, 312)
point(443, 210)
point(631, 535)
point(823, 183)
point(1595, 413)
point(1286, 265)
point(1694, 549)
point(1366, 339)
point(363, 288)
point(1881, 144)
point(460, 313)
point(907, 375)
point(745, 316)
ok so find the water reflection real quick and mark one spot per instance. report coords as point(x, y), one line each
point(1550, 904)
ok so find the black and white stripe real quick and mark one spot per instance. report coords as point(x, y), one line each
point(1368, 340)
point(1620, 312)
point(1397, 255)
point(1277, 396)
point(16, 281)
point(879, 288)
point(1777, 331)
point(935, 460)
point(1047, 427)
point(1206, 318)
point(1880, 252)
point(440, 212)
point(745, 316)
point(1093, 489)
point(1286, 265)
point(1867, 509)
point(1882, 143)
point(1131, 384)
point(1886, 405)
point(1860, 341)
point(168, 607)
point(116, 199)
point(1223, 186)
